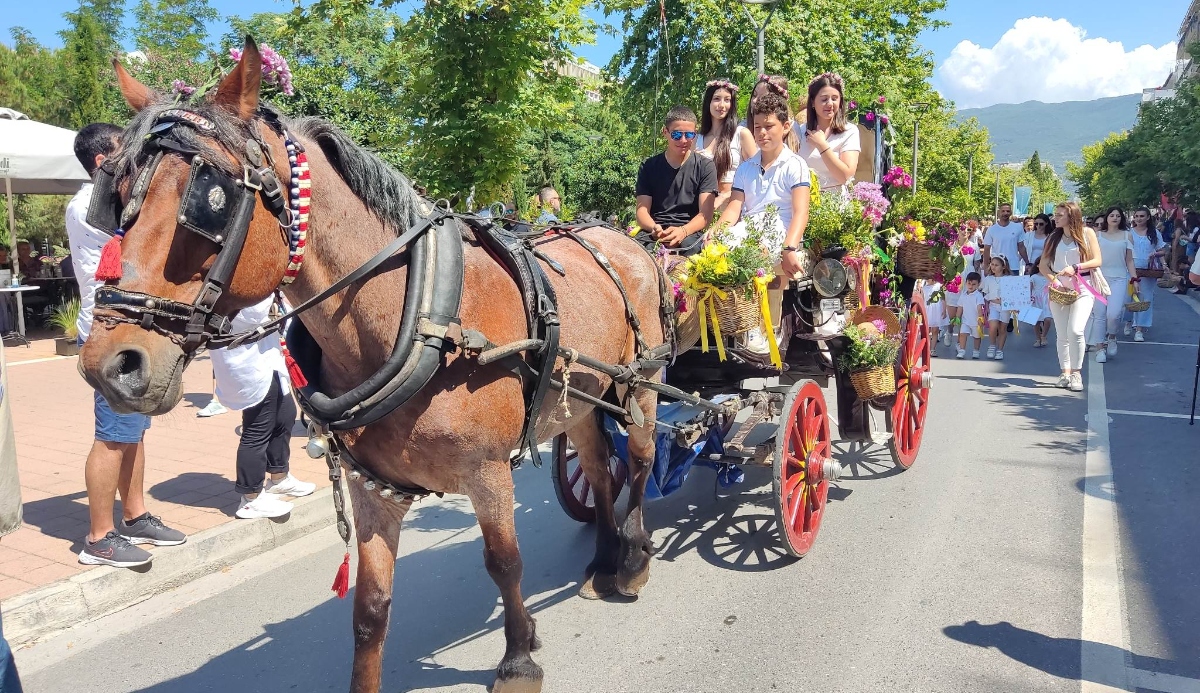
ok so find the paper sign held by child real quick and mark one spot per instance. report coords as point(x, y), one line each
point(1016, 293)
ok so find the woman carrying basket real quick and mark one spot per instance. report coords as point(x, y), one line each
point(1148, 251)
point(1071, 253)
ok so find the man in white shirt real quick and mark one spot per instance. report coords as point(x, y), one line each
point(1007, 239)
point(117, 460)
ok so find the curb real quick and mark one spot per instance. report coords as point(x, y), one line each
point(101, 591)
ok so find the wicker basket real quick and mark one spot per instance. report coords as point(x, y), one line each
point(871, 313)
point(737, 313)
point(1170, 281)
point(1063, 296)
point(874, 382)
point(1150, 273)
point(914, 260)
point(1137, 306)
point(687, 328)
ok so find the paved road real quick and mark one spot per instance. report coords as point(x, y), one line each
point(965, 573)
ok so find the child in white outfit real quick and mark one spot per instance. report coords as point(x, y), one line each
point(996, 320)
point(971, 303)
point(935, 313)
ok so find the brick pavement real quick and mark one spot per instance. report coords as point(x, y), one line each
point(189, 464)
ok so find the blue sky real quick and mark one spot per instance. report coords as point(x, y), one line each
point(1008, 58)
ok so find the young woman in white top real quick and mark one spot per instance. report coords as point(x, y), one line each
point(1071, 253)
point(828, 144)
point(1035, 243)
point(1116, 252)
point(721, 138)
point(1147, 247)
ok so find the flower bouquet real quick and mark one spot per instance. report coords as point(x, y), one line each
point(870, 358)
point(728, 280)
point(837, 221)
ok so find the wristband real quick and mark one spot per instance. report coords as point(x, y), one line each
point(824, 150)
point(791, 248)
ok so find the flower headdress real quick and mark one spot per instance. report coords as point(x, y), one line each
point(722, 83)
point(275, 72)
point(773, 85)
point(834, 79)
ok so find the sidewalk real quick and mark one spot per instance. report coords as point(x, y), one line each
point(189, 466)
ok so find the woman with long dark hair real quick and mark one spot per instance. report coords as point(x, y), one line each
point(1148, 249)
point(1116, 249)
point(1070, 255)
point(1035, 243)
point(721, 138)
point(828, 144)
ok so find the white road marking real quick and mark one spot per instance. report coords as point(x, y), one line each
point(42, 360)
point(1190, 301)
point(1178, 344)
point(1102, 655)
point(1156, 414)
point(1167, 683)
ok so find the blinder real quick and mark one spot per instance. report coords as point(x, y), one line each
point(210, 201)
point(104, 209)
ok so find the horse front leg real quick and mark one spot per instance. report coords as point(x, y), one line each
point(601, 574)
point(492, 496)
point(636, 548)
point(377, 524)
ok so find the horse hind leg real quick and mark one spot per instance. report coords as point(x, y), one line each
point(601, 573)
point(377, 525)
point(492, 496)
point(636, 547)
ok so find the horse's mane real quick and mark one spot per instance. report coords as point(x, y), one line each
point(386, 193)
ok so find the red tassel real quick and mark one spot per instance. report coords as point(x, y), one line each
point(110, 258)
point(294, 373)
point(341, 582)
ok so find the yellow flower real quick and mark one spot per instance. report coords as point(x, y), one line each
point(814, 193)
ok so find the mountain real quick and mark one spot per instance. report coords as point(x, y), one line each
point(1057, 131)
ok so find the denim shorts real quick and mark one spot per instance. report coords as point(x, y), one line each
point(112, 427)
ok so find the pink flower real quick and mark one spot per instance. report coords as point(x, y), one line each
point(883, 119)
point(885, 295)
point(882, 100)
point(760, 272)
point(852, 105)
point(968, 251)
point(181, 87)
point(880, 325)
point(870, 117)
point(235, 54)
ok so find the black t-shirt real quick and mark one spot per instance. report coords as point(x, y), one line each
point(675, 192)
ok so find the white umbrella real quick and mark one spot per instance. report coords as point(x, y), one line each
point(37, 159)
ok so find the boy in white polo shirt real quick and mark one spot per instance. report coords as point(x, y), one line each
point(777, 177)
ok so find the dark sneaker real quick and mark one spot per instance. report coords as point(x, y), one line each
point(113, 550)
point(149, 529)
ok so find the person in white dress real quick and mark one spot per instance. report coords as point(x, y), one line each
point(1148, 249)
point(1116, 252)
point(1035, 243)
point(828, 144)
point(1072, 252)
point(722, 139)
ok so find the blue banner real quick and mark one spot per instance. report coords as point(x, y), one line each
point(1021, 198)
point(1048, 208)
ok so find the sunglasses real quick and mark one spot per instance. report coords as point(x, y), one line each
point(1039, 224)
point(680, 135)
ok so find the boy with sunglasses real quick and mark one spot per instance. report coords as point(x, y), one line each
point(676, 189)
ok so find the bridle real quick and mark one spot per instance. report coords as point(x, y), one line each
point(215, 205)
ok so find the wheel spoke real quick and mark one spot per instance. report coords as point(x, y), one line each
point(584, 491)
point(575, 476)
point(797, 509)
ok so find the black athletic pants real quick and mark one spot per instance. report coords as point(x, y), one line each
point(266, 438)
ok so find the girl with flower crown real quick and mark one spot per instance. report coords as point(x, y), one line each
point(721, 138)
point(828, 144)
point(771, 84)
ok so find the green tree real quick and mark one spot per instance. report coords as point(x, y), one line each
point(31, 79)
point(90, 41)
point(173, 27)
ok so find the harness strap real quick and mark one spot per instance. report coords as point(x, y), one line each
point(602, 260)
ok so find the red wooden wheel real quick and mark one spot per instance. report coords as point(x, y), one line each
point(571, 485)
point(802, 449)
point(913, 378)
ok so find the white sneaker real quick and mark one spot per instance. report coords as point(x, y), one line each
point(1112, 346)
point(1128, 329)
point(756, 342)
point(991, 352)
point(1076, 384)
point(1139, 337)
point(1102, 356)
point(1063, 381)
point(975, 354)
point(214, 408)
point(289, 486)
point(263, 505)
point(999, 355)
point(946, 338)
point(962, 354)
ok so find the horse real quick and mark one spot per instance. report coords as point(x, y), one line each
point(457, 433)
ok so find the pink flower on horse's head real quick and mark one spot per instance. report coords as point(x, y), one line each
point(181, 87)
point(235, 54)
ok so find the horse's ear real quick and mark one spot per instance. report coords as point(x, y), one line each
point(136, 94)
point(238, 92)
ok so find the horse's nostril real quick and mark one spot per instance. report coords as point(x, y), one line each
point(127, 363)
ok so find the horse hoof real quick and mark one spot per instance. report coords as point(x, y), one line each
point(517, 686)
point(598, 586)
point(632, 586)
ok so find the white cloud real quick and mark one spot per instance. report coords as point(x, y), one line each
point(1049, 60)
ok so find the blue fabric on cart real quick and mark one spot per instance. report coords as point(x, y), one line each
point(673, 462)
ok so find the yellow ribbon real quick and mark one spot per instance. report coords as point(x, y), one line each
point(760, 286)
point(1016, 324)
point(708, 306)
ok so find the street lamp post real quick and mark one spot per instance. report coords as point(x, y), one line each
point(970, 173)
point(917, 108)
point(762, 29)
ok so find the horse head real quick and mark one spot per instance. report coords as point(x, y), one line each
point(199, 198)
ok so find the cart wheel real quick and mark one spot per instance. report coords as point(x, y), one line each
point(802, 463)
point(913, 378)
point(571, 485)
